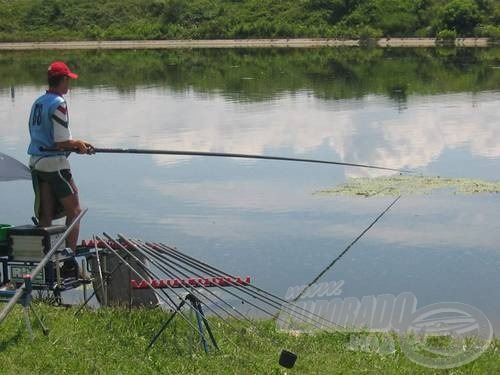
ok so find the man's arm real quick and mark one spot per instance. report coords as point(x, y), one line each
point(62, 134)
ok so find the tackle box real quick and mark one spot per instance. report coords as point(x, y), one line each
point(31, 243)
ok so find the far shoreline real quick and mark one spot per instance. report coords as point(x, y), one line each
point(248, 43)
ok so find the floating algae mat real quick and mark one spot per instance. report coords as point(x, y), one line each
point(405, 185)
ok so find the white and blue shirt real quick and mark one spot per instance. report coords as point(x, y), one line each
point(48, 124)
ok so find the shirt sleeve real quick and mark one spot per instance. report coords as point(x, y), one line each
point(60, 122)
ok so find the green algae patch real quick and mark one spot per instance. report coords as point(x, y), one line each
point(411, 185)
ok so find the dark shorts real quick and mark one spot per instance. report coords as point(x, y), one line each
point(59, 181)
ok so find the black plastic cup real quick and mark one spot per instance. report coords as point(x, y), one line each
point(287, 359)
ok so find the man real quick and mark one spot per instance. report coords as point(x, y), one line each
point(49, 127)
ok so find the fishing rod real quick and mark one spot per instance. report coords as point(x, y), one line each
point(250, 289)
point(231, 283)
point(346, 249)
point(248, 302)
point(154, 251)
point(194, 301)
point(143, 265)
point(221, 154)
point(141, 248)
point(177, 306)
point(130, 244)
point(169, 301)
point(150, 255)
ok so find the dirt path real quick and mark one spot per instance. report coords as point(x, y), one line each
point(240, 43)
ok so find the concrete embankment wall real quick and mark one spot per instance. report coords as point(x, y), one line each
point(247, 43)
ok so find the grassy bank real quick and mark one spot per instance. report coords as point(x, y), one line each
point(113, 341)
point(38, 20)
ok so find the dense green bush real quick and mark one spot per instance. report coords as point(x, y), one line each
point(460, 15)
point(203, 19)
point(447, 34)
point(489, 31)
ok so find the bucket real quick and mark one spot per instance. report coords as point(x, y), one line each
point(3, 231)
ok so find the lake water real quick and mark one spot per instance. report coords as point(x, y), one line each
point(433, 110)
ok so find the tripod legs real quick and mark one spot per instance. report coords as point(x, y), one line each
point(165, 325)
point(200, 319)
point(25, 301)
point(29, 328)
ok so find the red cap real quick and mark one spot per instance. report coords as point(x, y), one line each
point(58, 68)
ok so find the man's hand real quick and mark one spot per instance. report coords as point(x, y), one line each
point(84, 147)
point(79, 146)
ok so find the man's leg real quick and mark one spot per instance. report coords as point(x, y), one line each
point(47, 202)
point(71, 204)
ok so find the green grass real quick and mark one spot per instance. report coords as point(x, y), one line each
point(38, 20)
point(113, 341)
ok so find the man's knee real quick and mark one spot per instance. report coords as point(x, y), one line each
point(73, 212)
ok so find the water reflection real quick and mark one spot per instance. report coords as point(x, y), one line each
point(370, 130)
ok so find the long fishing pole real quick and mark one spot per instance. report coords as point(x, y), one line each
point(127, 242)
point(224, 155)
point(169, 301)
point(162, 265)
point(139, 245)
point(346, 249)
point(250, 289)
point(177, 307)
point(144, 266)
point(257, 307)
point(151, 274)
point(211, 270)
point(160, 249)
point(154, 249)
point(236, 286)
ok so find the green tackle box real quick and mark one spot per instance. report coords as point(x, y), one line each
point(4, 244)
point(3, 231)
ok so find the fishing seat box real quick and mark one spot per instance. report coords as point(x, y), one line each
point(31, 243)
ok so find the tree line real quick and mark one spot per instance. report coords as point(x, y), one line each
point(39, 20)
